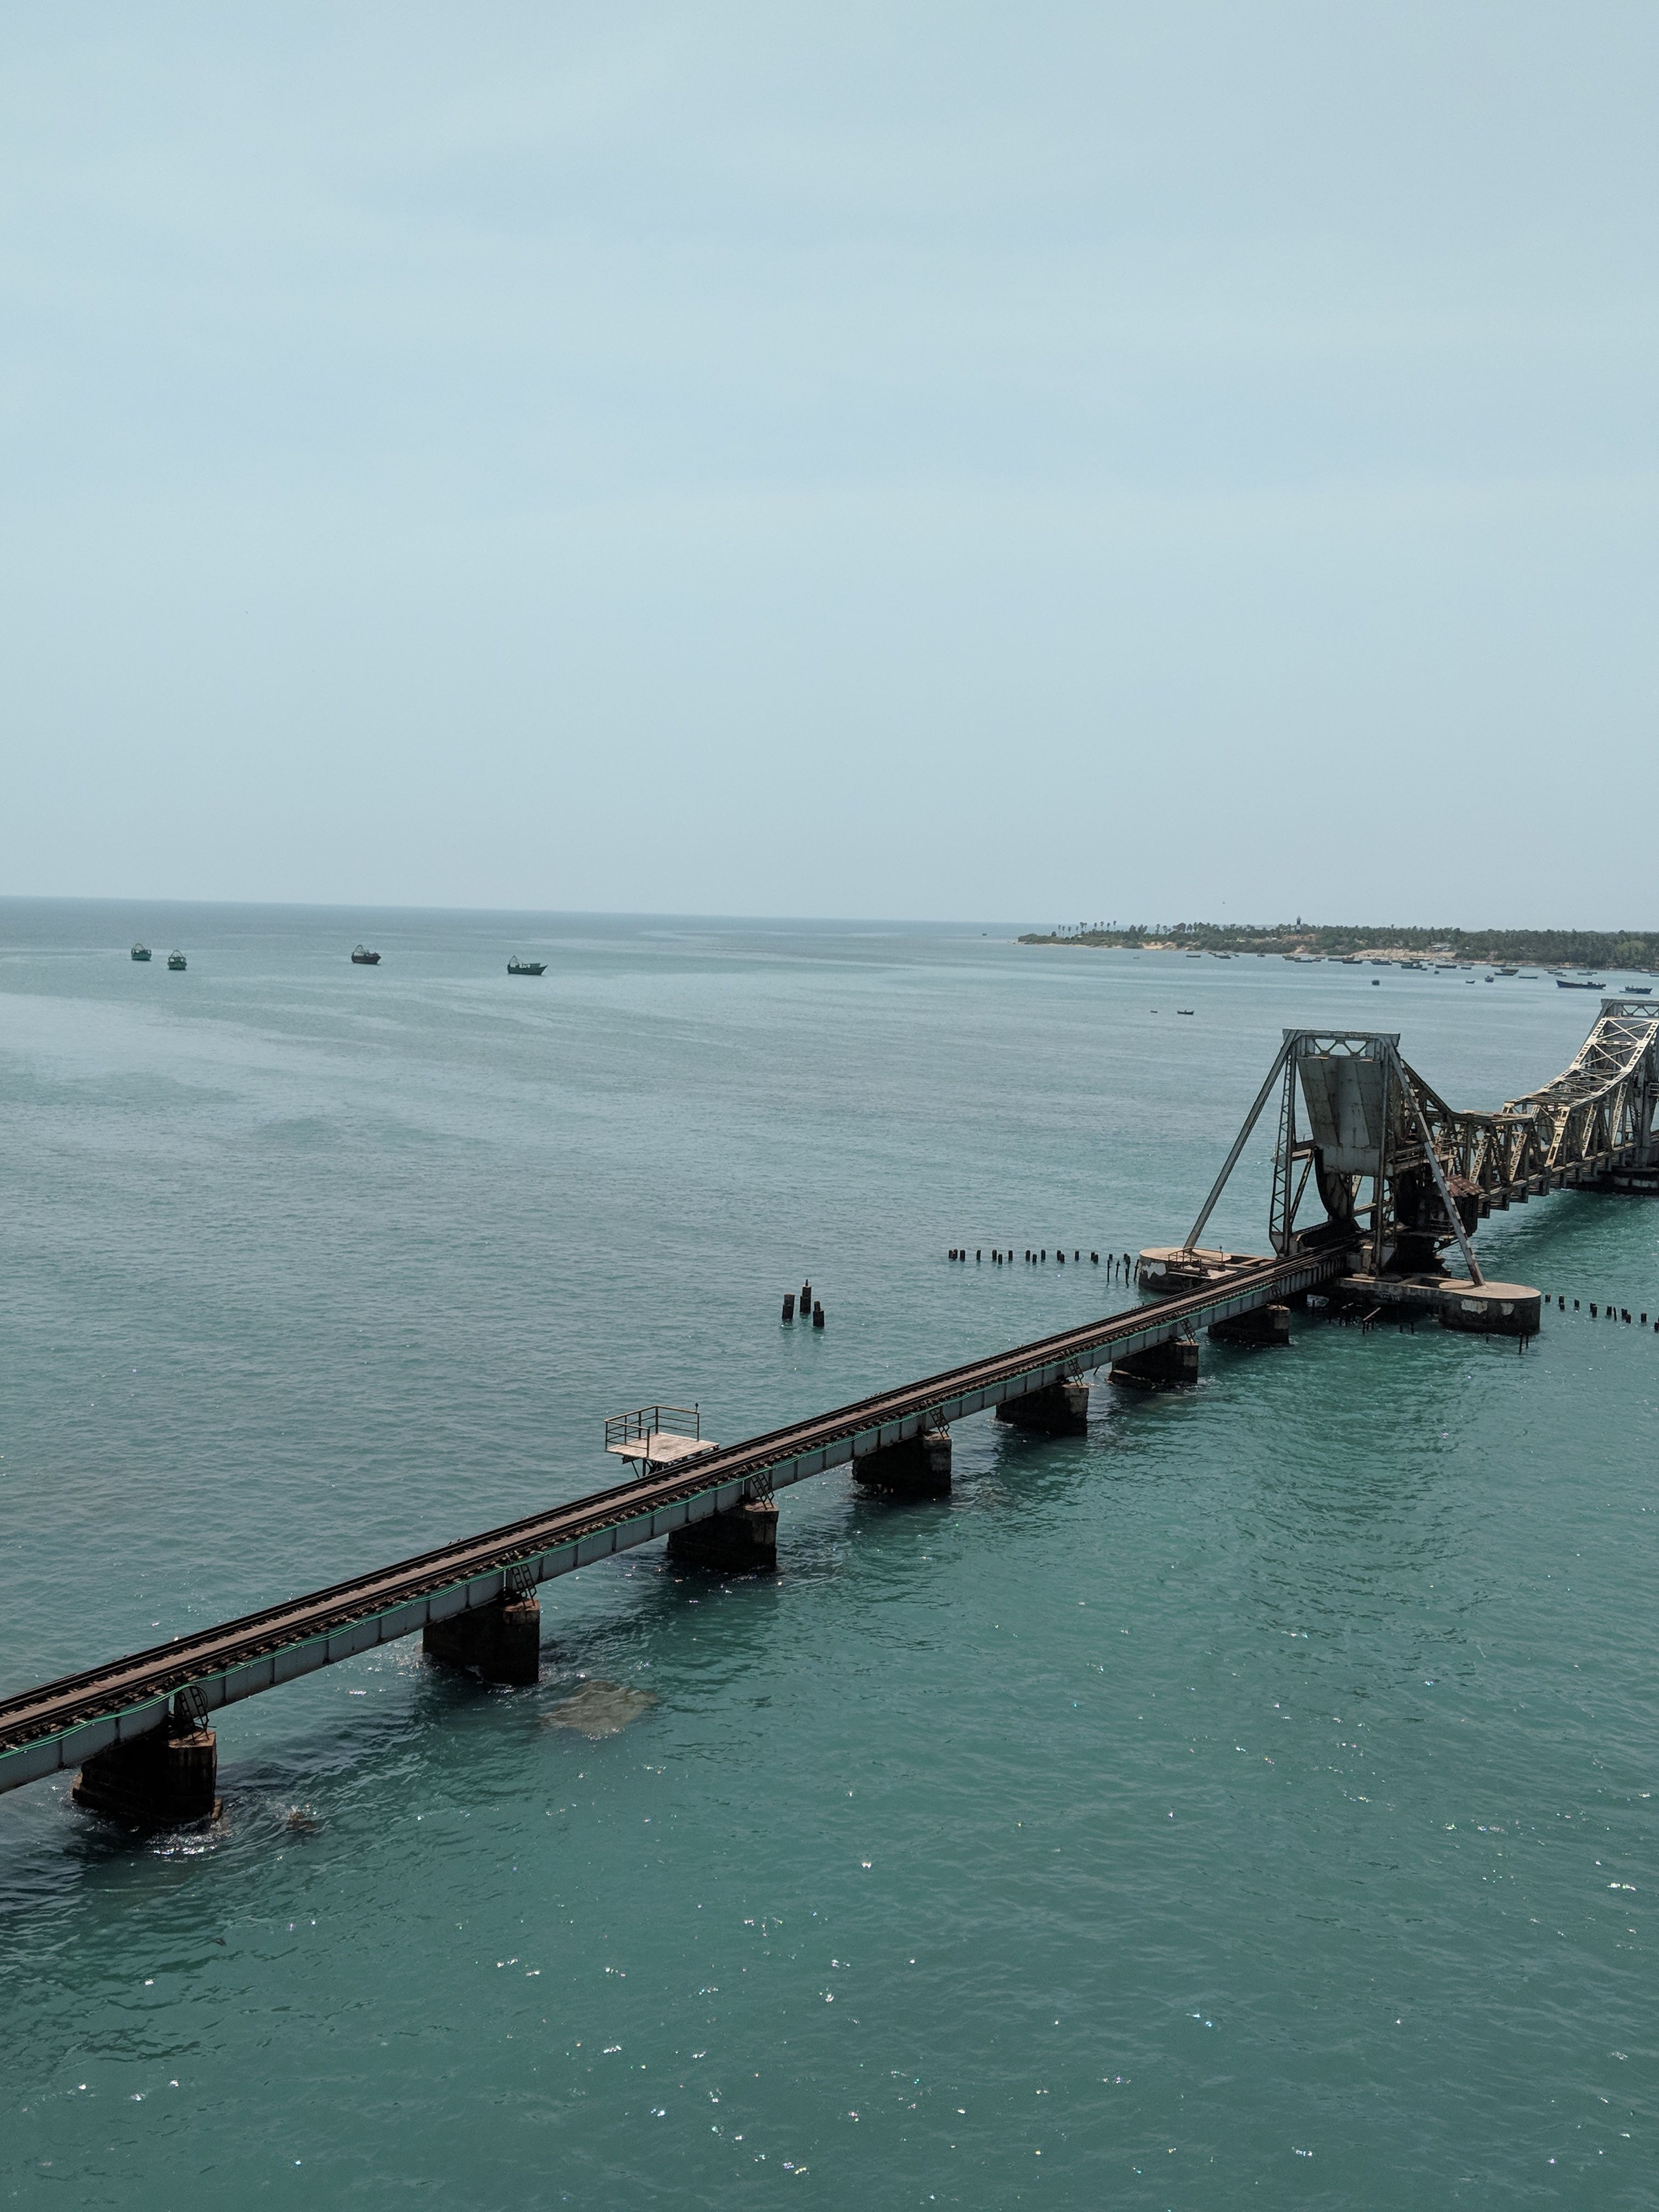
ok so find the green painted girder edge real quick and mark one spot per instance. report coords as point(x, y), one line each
point(30, 1753)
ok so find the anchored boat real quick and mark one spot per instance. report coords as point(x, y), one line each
point(517, 967)
point(363, 958)
point(1567, 983)
point(140, 952)
point(176, 962)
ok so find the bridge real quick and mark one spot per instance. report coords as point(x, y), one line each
point(1400, 1177)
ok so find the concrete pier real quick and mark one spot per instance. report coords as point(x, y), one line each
point(1160, 1367)
point(743, 1541)
point(504, 1641)
point(1492, 1308)
point(1061, 1410)
point(1261, 1329)
point(167, 1779)
point(1479, 1309)
point(920, 1467)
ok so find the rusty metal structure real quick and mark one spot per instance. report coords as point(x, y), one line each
point(1399, 1174)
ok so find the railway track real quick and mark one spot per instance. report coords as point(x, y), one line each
point(61, 1723)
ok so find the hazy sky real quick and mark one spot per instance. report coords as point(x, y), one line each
point(1112, 460)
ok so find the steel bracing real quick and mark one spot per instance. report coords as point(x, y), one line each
point(1399, 1174)
point(1396, 1175)
point(1597, 1115)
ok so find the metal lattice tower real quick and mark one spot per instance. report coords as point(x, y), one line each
point(1399, 1174)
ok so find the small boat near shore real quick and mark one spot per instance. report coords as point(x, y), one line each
point(1567, 983)
point(517, 967)
point(363, 958)
point(177, 962)
point(140, 952)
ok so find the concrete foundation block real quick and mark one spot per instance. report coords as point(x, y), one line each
point(504, 1641)
point(1262, 1327)
point(1160, 1367)
point(920, 1467)
point(161, 1780)
point(1492, 1308)
point(743, 1541)
point(1061, 1410)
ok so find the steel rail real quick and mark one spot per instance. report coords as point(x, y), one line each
point(61, 1723)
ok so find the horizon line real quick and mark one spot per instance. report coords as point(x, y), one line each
point(798, 921)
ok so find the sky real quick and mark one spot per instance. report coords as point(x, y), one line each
point(1063, 461)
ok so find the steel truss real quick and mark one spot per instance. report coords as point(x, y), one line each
point(1418, 1174)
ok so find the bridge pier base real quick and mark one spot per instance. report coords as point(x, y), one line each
point(920, 1467)
point(502, 1640)
point(167, 1779)
point(743, 1541)
point(1061, 1410)
point(1492, 1308)
point(1262, 1327)
point(1161, 1367)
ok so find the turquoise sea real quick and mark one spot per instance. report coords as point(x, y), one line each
point(1249, 1803)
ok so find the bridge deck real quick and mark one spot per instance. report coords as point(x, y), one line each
point(62, 1723)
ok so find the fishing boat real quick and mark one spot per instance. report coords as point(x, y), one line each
point(517, 967)
point(140, 952)
point(363, 958)
point(1184, 1010)
point(1640, 989)
point(176, 962)
point(1567, 983)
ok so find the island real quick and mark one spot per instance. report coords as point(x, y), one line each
point(1300, 940)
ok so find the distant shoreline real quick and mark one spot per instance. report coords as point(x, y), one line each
point(1539, 948)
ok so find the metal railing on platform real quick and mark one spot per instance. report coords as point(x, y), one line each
point(647, 1421)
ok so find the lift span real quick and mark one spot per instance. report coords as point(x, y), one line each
point(1398, 1177)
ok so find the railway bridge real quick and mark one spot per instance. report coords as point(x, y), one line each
point(1398, 1178)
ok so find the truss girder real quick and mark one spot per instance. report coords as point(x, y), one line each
point(1431, 1168)
point(1597, 1113)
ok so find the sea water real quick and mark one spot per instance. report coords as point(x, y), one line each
point(1247, 1801)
